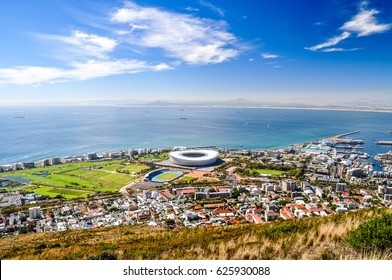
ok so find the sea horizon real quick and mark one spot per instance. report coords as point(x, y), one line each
point(34, 133)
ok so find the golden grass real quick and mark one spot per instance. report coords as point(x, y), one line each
point(313, 238)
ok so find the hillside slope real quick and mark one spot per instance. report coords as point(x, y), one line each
point(312, 238)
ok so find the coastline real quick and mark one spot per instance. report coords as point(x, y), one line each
point(70, 157)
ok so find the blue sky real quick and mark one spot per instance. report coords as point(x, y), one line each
point(303, 51)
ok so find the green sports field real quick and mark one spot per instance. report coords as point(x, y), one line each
point(80, 179)
point(167, 176)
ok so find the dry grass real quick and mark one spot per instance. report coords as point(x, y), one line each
point(315, 238)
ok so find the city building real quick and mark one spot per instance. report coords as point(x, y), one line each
point(341, 187)
point(194, 157)
point(35, 212)
point(288, 185)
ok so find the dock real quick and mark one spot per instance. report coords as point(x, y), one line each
point(337, 137)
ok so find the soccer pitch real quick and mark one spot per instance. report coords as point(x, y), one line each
point(167, 176)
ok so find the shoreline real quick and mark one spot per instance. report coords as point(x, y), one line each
point(330, 138)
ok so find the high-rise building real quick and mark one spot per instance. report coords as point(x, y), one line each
point(12, 219)
point(92, 156)
point(35, 212)
point(341, 187)
point(55, 161)
point(288, 185)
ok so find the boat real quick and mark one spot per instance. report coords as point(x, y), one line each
point(364, 156)
point(384, 142)
point(183, 118)
point(19, 117)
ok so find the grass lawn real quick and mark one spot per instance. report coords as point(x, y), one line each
point(268, 172)
point(167, 176)
point(100, 180)
point(113, 167)
point(188, 179)
point(134, 168)
point(85, 176)
point(66, 193)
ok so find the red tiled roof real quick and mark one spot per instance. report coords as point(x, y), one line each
point(188, 191)
point(215, 205)
point(222, 211)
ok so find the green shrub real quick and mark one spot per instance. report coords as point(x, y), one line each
point(375, 234)
point(41, 246)
point(104, 256)
point(284, 228)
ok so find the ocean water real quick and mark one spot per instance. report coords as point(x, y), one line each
point(34, 133)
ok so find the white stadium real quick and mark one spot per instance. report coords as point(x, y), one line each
point(194, 157)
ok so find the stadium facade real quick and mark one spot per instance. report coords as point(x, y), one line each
point(194, 158)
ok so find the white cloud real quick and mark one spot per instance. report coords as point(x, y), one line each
point(181, 36)
point(269, 55)
point(85, 44)
point(212, 7)
point(331, 42)
point(365, 23)
point(30, 75)
point(339, 50)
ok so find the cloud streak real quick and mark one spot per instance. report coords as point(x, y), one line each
point(330, 42)
point(212, 7)
point(31, 75)
point(339, 50)
point(364, 23)
point(181, 36)
point(83, 44)
point(269, 55)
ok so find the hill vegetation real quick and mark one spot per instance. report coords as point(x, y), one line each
point(312, 238)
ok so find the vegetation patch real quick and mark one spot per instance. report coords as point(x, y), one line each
point(156, 156)
point(267, 172)
point(314, 238)
point(375, 234)
point(188, 179)
point(287, 228)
